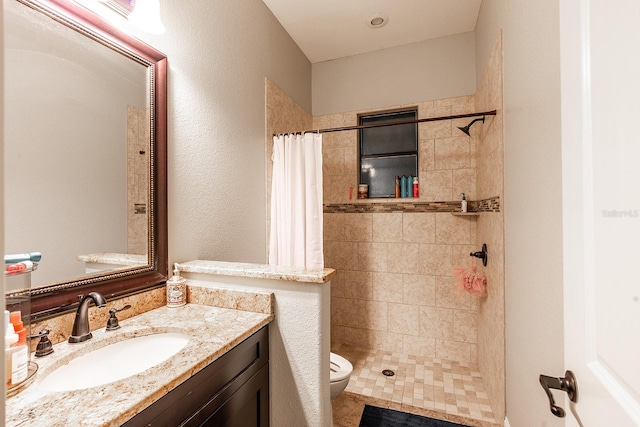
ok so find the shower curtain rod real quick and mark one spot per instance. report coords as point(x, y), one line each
point(406, 122)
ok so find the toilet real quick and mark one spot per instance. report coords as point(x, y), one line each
point(341, 370)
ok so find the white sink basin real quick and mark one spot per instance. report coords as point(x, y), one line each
point(115, 362)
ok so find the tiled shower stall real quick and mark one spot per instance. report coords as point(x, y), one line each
point(394, 290)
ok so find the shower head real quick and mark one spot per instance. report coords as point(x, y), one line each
point(466, 128)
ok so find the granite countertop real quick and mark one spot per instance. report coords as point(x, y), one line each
point(259, 271)
point(213, 331)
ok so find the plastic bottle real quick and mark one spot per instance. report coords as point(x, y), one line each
point(176, 289)
point(15, 317)
point(403, 186)
point(463, 203)
point(19, 267)
point(397, 186)
point(16, 355)
point(416, 191)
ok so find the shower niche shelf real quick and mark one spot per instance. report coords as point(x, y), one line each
point(465, 213)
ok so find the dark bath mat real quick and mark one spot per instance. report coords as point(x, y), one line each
point(372, 416)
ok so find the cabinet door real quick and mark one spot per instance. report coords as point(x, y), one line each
point(247, 407)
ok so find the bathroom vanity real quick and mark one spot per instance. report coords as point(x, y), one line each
point(220, 377)
point(233, 390)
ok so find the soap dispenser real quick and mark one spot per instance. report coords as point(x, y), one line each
point(176, 289)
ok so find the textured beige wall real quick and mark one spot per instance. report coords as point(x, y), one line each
point(219, 54)
point(429, 70)
point(490, 230)
point(532, 199)
point(394, 288)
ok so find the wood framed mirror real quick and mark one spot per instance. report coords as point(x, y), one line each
point(85, 155)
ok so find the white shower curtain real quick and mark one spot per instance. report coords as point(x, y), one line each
point(296, 202)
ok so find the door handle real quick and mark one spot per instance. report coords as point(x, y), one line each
point(567, 383)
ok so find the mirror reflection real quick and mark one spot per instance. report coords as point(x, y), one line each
point(77, 151)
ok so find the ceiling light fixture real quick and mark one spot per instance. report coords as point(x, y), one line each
point(377, 20)
point(146, 16)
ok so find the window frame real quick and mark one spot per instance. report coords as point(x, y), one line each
point(388, 154)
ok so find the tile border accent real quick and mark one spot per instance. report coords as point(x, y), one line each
point(487, 205)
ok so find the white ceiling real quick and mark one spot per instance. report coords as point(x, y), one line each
point(330, 29)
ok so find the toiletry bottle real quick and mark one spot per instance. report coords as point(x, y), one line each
point(16, 355)
point(409, 191)
point(15, 317)
point(176, 289)
point(416, 192)
point(403, 186)
point(19, 267)
point(397, 186)
point(463, 203)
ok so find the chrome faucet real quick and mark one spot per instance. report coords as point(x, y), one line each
point(81, 331)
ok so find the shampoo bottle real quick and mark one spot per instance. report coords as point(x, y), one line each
point(463, 203)
point(403, 186)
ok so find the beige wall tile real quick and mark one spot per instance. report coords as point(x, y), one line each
point(433, 130)
point(436, 322)
point(387, 227)
point(358, 227)
point(452, 350)
point(436, 185)
point(465, 326)
point(448, 296)
point(403, 258)
point(426, 154)
point(394, 288)
point(358, 337)
point(451, 229)
point(375, 316)
point(435, 260)
point(333, 224)
point(343, 310)
point(337, 284)
point(357, 284)
point(404, 319)
point(387, 287)
point(464, 181)
point(419, 289)
point(420, 345)
point(387, 340)
point(453, 153)
point(418, 227)
point(332, 160)
point(372, 256)
point(344, 255)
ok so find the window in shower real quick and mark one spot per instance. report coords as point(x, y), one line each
point(387, 151)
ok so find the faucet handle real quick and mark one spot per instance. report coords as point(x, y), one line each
point(112, 323)
point(45, 347)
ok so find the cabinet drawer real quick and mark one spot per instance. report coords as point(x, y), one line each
point(211, 387)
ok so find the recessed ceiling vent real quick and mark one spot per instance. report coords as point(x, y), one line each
point(377, 20)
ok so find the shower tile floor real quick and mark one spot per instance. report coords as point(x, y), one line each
point(421, 385)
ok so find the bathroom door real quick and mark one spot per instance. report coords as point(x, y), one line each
point(600, 61)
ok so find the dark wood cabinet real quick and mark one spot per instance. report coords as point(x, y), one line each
point(233, 391)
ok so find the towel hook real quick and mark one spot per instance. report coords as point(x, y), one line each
point(481, 254)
